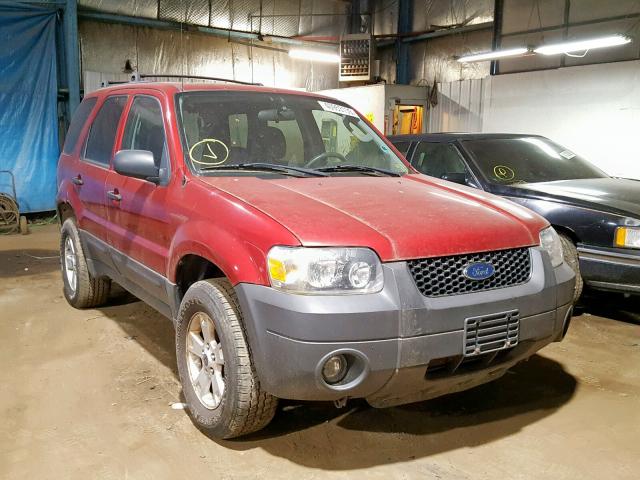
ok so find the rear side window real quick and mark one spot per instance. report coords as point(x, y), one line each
point(78, 121)
point(103, 131)
point(403, 147)
point(145, 128)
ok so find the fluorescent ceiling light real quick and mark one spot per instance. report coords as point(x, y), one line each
point(582, 45)
point(479, 57)
point(314, 55)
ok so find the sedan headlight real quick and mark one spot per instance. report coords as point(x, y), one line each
point(550, 241)
point(627, 237)
point(325, 271)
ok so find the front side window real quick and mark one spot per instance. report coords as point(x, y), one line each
point(510, 161)
point(103, 131)
point(225, 129)
point(438, 160)
point(145, 129)
point(79, 120)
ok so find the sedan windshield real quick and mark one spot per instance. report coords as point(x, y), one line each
point(255, 133)
point(528, 160)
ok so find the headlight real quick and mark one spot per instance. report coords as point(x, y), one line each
point(627, 237)
point(550, 241)
point(325, 271)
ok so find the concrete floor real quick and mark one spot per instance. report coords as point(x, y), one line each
point(87, 394)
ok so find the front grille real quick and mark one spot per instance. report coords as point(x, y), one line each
point(442, 276)
point(490, 333)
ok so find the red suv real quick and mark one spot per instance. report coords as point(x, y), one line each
point(298, 254)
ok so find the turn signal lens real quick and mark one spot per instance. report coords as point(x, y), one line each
point(627, 237)
point(277, 270)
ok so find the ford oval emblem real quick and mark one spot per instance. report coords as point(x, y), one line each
point(479, 271)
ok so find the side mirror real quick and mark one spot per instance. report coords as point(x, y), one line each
point(137, 164)
point(460, 178)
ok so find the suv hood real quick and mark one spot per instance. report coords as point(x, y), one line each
point(612, 195)
point(400, 218)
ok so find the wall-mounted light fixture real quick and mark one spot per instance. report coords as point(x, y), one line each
point(553, 49)
point(314, 55)
point(582, 45)
point(480, 57)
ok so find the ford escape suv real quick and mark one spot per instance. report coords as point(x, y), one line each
point(297, 253)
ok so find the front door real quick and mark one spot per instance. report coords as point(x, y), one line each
point(140, 227)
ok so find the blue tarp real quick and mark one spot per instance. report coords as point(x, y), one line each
point(28, 104)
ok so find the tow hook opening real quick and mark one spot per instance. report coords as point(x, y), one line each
point(341, 402)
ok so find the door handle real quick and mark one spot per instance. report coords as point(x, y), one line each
point(114, 195)
point(77, 180)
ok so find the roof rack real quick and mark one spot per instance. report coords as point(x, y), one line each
point(136, 77)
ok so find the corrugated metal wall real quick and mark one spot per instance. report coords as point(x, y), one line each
point(270, 17)
point(105, 47)
point(434, 58)
point(460, 106)
point(524, 23)
point(558, 20)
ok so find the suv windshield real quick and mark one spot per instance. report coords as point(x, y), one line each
point(528, 160)
point(226, 131)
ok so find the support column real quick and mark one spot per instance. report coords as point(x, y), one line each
point(405, 18)
point(498, 7)
point(71, 53)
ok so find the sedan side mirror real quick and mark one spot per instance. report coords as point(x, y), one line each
point(460, 178)
point(137, 164)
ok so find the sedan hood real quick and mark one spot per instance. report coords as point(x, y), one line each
point(400, 218)
point(612, 195)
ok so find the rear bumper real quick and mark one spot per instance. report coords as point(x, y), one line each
point(614, 269)
point(405, 347)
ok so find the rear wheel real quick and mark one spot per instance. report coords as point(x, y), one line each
point(218, 377)
point(80, 288)
point(571, 257)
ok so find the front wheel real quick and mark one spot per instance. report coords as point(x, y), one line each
point(218, 377)
point(570, 253)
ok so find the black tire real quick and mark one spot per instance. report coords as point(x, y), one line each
point(571, 257)
point(244, 407)
point(89, 291)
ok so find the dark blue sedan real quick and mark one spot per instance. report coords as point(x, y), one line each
point(596, 216)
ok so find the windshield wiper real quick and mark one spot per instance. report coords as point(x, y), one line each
point(358, 168)
point(266, 167)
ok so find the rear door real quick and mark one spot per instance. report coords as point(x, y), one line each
point(140, 223)
point(93, 168)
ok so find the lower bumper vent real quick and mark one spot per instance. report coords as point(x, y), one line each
point(490, 333)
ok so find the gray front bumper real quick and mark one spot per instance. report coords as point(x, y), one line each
point(395, 334)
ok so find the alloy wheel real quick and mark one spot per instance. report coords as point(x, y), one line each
point(205, 360)
point(70, 264)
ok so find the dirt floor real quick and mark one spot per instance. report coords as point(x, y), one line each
point(88, 394)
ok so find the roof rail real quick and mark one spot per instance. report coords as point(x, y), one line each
point(136, 77)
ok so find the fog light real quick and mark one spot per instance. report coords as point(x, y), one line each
point(334, 369)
